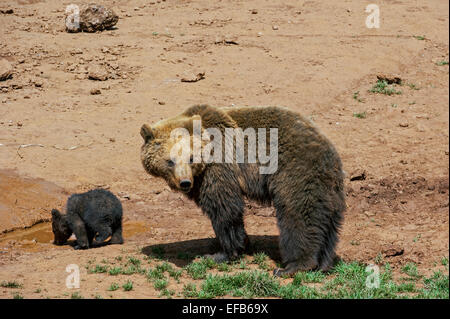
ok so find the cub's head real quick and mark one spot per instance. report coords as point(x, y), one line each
point(60, 228)
point(169, 151)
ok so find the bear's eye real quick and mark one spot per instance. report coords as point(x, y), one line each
point(171, 163)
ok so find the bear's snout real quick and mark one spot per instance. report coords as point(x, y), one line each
point(185, 184)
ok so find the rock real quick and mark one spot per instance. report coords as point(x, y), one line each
point(6, 11)
point(97, 73)
point(227, 39)
point(390, 79)
point(93, 17)
point(358, 175)
point(6, 70)
point(403, 124)
point(95, 92)
point(194, 77)
point(275, 27)
point(254, 11)
point(392, 250)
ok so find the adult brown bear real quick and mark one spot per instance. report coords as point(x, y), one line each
point(306, 188)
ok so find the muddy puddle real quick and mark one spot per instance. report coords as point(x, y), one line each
point(40, 237)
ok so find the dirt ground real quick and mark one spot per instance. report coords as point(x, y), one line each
point(57, 138)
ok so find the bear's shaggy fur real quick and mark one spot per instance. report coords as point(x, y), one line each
point(306, 189)
point(96, 213)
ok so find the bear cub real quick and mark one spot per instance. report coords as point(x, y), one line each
point(94, 214)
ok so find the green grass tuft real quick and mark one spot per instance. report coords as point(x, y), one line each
point(382, 87)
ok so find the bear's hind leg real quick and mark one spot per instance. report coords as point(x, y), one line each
point(300, 238)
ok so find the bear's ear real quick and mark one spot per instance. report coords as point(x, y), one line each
point(55, 214)
point(147, 133)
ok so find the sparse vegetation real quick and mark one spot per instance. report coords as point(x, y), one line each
point(128, 286)
point(261, 260)
point(197, 269)
point(382, 87)
point(114, 286)
point(10, 284)
point(360, 115)
point(98, 269)
point(160, 284)
point(76, 295)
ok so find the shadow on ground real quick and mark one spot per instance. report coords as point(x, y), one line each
point(182, 253)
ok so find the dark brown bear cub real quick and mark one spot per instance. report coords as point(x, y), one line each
point(306, 187)
point(94, 214)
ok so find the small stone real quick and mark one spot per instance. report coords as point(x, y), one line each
point(6, 11)
point(97, 73)
point(390, 79)
point(193, 77)
point(403, 124)
point(275, 27)
point(358, 175)
point(254, 11)
point(6, 70)
point(161, 103)
point(95, 92)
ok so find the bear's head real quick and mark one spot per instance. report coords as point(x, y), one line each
point(167, 151)
point(60, 228)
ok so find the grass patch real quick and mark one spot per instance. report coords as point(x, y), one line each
point(98, 269)
point(76, 295)
point(197, 269)
point(440, 63)
point(419, 37)
point(160, 284)
point(10, 284)
point(308, 277)
point(128, 286)
point(357, 97)
point(190, 290)
point(435, 286)
point(17, 296)
point(244, 284)
point(115, 271)
point(167, 293)
point(360, 115)
point(261, 260)
point(410, 269)
point(114, 286)
point(382, 87)
point(412, 86)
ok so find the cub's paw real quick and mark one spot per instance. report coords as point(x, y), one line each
point(79, 247)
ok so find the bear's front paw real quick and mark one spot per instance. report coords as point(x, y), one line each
point(218, 257)
point(280, 272)
point(78, 247)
